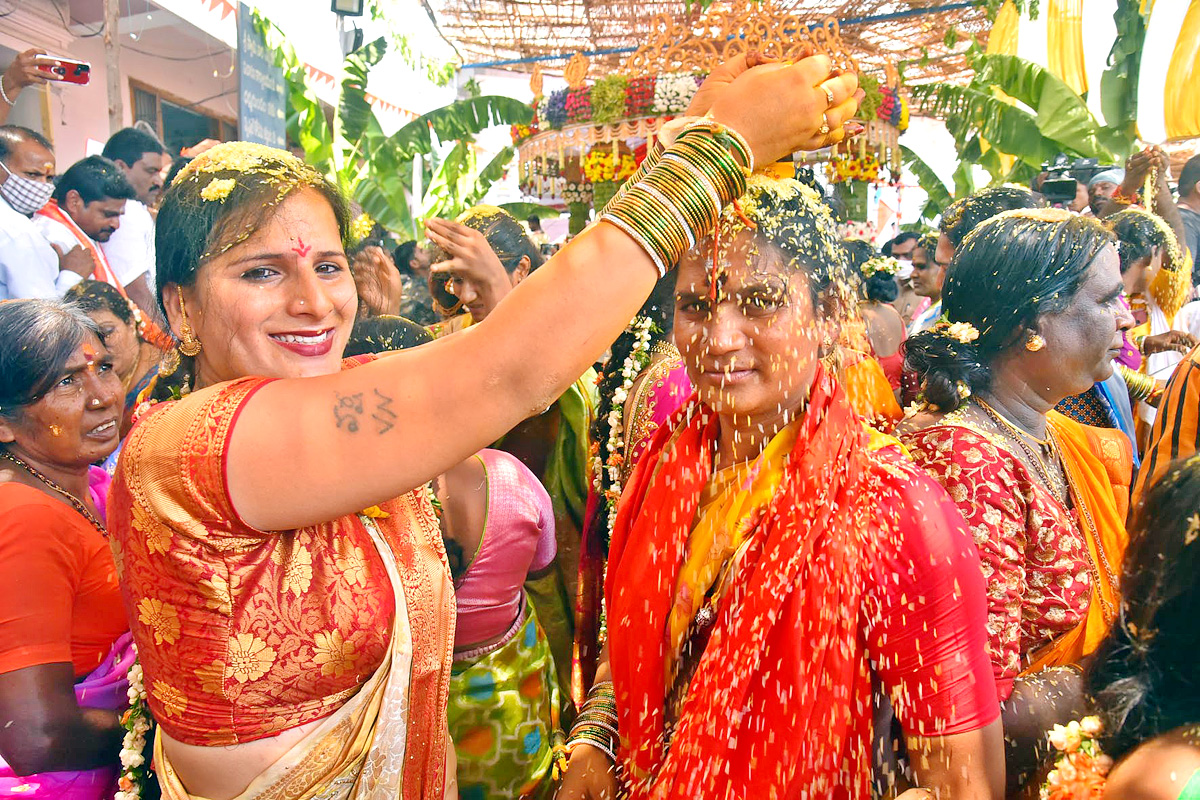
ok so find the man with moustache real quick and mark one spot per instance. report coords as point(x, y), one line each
point(86, 210)
point(130, 250)
point(29, 266)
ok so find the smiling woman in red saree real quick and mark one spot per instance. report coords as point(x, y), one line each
point(772, 557)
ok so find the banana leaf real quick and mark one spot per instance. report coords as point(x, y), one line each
point(527, 210)
point(355, 116)
point(938, 196)
point(974, 108)
point(1061, 114)
point(458, 120)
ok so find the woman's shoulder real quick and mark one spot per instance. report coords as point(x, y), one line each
point(1159, 769)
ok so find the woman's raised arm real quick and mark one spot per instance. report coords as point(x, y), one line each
point(310, 450)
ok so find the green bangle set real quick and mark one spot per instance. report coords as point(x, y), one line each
point(679, 199)
point(597, 721)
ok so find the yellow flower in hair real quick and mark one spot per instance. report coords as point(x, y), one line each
point(885, 264)
point(218, 189)
point(361, 227)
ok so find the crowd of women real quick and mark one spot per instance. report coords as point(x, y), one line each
point(804, 535)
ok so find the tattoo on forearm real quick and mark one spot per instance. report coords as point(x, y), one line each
point(347, 411)
point(383, 412)
point(351, 408)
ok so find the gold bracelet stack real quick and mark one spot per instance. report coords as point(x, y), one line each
point(679, 200)
point(597, 721)
point(1141, 386)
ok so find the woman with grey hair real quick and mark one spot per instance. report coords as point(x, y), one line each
point(65, 647)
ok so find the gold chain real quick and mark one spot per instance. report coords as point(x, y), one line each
point(74, 501)
point(1056, 485)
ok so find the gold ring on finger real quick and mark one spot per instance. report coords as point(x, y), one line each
point(828, 95)
point(824, 129)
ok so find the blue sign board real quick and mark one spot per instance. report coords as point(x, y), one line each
point(262, 95)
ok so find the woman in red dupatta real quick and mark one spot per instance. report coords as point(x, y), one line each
point(773, 558)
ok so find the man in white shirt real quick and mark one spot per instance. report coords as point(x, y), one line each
point(86, 210)
point(29, 266)
point(130, 251)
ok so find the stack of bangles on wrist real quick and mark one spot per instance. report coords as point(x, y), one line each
point(1141, 386)
point(678, 200)
point(597, 722)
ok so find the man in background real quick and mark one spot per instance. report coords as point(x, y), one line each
point(86, 210)
point(1189, 209)
point(1102, 186)
point(413, 262)
point(29, 266)
point(130, 250)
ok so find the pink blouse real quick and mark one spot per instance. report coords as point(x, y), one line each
point(518, 538)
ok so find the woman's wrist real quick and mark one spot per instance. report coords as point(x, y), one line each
point(679, 200)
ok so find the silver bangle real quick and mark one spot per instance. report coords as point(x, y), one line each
point(4, 94)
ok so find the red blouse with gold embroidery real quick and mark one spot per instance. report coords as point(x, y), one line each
point(241, 633)
point(1034, 557)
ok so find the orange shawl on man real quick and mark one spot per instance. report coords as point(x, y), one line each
point(1099, 466)
point(752, 725)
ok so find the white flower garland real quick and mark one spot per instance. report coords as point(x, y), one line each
point(673, 91)
point(637, 360)
point(543, 104)
point(136, 722)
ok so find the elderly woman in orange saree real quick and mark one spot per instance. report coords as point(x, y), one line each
point(1033, 300)
point(773, 558)
point(280, 561)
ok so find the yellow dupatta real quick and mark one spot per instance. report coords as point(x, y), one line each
point(1099, 469)
point(728, 511)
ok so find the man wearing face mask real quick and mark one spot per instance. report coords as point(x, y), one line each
point(86, 210)
point(30, 267)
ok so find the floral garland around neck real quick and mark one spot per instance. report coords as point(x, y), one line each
point(638, 359)
point(136, 722)
point(1080, 769)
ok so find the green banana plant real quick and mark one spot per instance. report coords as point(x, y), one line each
point(401, 179)
point(1049, 118)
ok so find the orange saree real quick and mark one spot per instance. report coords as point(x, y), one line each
point(1099, 468)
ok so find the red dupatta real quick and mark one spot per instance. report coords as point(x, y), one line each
point(780, 703)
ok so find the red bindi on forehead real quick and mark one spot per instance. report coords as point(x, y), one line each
point(302, 249)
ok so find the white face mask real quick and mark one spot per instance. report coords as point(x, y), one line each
point(25, 195)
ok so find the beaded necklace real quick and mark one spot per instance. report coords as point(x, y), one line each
point(72, 499)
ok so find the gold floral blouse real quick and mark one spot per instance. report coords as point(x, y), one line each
point(241, 633)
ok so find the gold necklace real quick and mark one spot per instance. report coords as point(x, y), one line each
point(72, 499)
point(137, 366)
point(1056, 485)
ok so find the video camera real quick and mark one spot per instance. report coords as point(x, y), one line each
point(1061, 176)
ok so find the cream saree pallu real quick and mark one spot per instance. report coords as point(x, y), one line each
point(365, 750)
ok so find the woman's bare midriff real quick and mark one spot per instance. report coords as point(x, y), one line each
point(223, 772)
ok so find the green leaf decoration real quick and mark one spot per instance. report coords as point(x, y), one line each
point(1061, 114)
point(938, 195)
